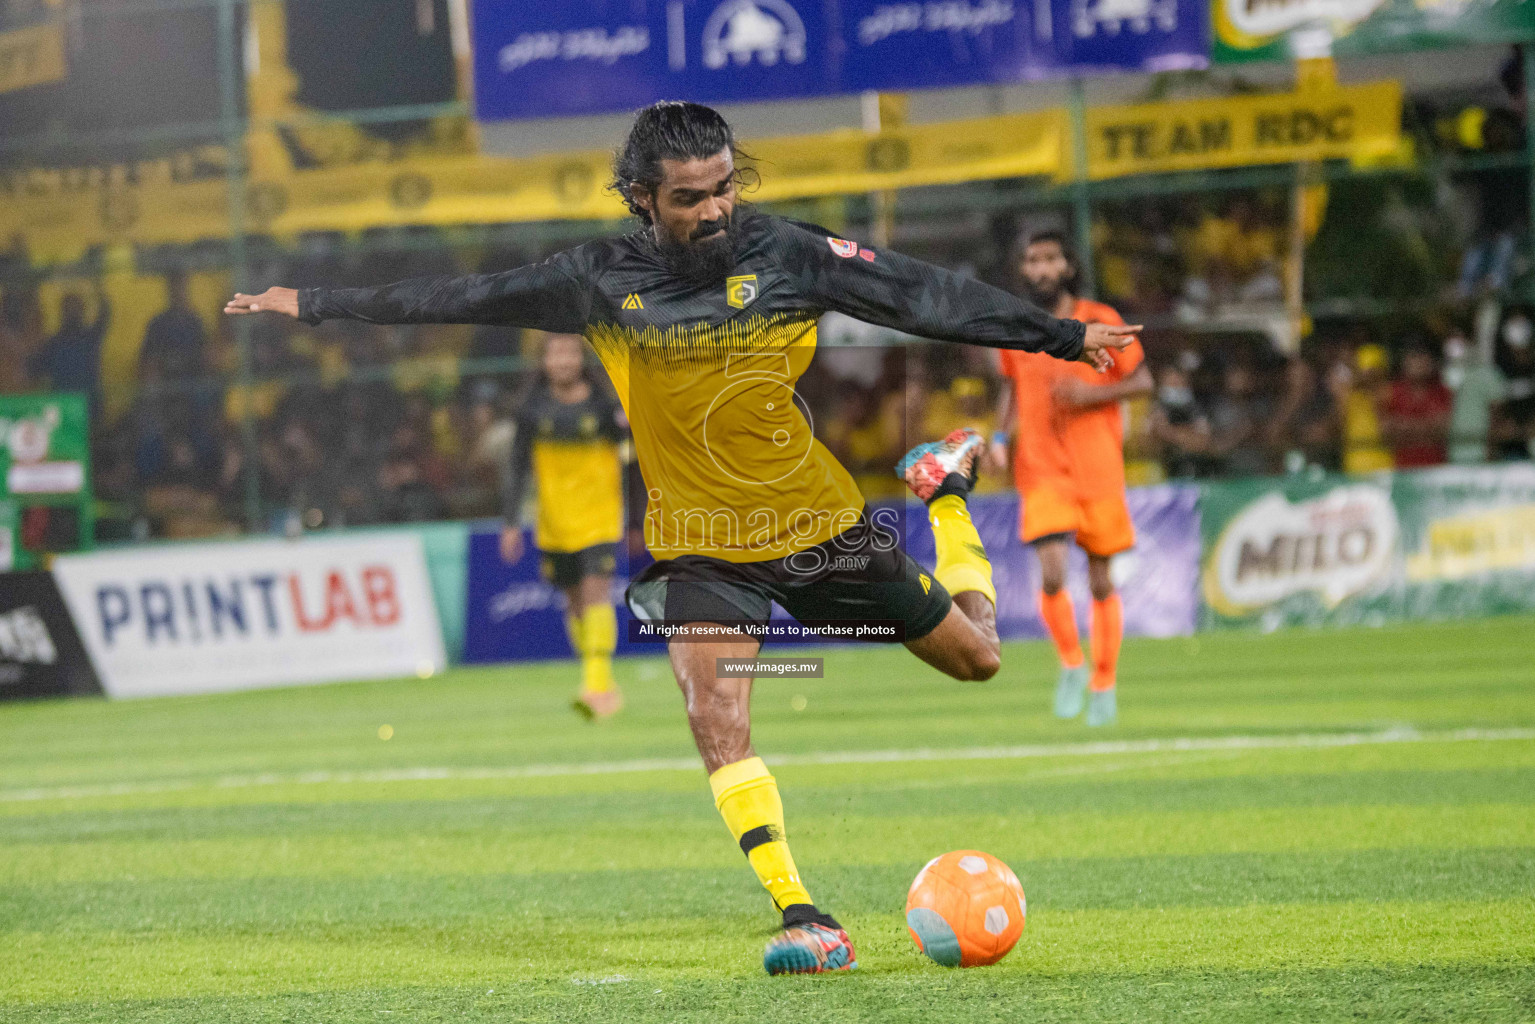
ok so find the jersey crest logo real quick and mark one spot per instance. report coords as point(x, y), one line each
point(633, 301)
point(926, 581)
point(842, 247)
point(741, 292)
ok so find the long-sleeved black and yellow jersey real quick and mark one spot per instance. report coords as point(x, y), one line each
point(706, 372)
point(570, 450)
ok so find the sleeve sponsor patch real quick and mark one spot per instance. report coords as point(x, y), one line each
point(843, 248)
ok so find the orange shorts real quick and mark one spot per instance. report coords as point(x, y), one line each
point(1102, 525)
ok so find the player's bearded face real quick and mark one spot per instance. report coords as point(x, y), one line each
point(694, 217)
point(1045, 270)
point(707, 255)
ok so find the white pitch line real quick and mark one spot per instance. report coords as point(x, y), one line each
point(1290, 741)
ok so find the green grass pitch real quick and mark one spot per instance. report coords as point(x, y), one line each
point(1299, 827)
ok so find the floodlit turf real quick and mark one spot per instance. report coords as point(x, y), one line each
point(1365, 850)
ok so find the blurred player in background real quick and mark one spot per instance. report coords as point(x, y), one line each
point(569, 433)
point(1069, 467)
point(705, 318)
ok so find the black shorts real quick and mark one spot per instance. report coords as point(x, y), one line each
point(568, 568)
point(860, 575)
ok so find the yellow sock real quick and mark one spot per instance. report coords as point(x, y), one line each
point(747, 796)
point(962, 562)
point(574, 630)
point(599, 635)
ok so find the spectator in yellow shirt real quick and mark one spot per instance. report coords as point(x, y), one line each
point(1364, 447)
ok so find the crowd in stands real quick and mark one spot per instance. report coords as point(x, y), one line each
point(196, 425)
point(1191, 259)
point(350, 423)
point(1452, 237)
point(1348, 404)
point(355, 423)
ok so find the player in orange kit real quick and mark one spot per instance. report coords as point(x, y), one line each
point(1070, 471)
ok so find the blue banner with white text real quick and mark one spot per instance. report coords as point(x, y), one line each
point(569, 57)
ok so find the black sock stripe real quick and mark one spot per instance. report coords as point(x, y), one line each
point(802, 913)
point(755, 837)
point(954, 483)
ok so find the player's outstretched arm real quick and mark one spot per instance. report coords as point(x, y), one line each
point(545, 296)
point(886, 288)
point(273, 300)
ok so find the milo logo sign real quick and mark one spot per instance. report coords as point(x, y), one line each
point(1336, 545)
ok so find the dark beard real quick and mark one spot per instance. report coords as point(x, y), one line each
point(702, 261)
point(1045, 298)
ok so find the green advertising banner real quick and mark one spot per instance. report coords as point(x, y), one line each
point(1252, 30)
point(1441, 543)
point(45, 474)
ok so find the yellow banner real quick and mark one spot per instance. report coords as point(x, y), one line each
point(61, 213)
point(31, 56)
point(442, 191)
point(1458, 547)
point(844, 162)
point(465, 190)
point(1358, 122)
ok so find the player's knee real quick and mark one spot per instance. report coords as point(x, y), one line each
point(1099, 578)
point(711, 701)
point(700, 700)
point(1051, 583)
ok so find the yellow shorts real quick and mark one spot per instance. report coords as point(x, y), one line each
point(1102, 525)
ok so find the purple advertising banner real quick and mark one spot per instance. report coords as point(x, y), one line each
point(515, 615)
point(1158, 578)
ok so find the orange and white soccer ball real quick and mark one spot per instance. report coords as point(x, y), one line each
point(965, 909)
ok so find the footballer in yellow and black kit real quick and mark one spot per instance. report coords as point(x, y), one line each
point(704, 319)
point(571, 453)
point(743, 504)
point(569, 430)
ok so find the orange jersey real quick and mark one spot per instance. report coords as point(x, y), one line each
point(1077, 452)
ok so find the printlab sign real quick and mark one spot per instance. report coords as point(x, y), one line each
point(207, 617)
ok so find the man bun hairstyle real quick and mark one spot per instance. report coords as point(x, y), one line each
point(669, 130)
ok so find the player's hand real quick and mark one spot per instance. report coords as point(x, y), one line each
point(273, 300)
point(511, 544)
point(1101, 340)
